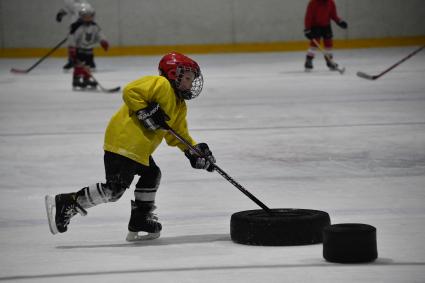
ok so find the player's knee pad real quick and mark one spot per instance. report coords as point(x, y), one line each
point(150, 178)
point(115, 189)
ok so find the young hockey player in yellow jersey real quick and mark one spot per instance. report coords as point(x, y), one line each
point(133, 134)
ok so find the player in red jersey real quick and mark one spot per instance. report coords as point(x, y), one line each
point(317, 25)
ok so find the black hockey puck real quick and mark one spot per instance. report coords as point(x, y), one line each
point(349, 243)
point(281, 227)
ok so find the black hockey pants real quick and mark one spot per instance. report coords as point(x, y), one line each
point(86, 56)
point(120, 172)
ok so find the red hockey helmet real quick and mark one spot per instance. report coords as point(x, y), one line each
point(173, 66)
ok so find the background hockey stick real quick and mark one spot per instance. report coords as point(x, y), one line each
point(374, 77)
point(221, 172)
point(340, 70)
point(20, 71)
point(115, 89)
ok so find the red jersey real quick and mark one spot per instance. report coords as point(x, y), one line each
point(320, 13)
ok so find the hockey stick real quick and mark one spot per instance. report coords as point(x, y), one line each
point(115, 89)
point(88, 72)
point(20, 71)
point(220, 171)
point(374, 77)
point(340, 70)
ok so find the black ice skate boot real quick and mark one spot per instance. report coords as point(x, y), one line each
point(330, 63)
point(308, 63)
point(69, 65)
point(78, 82)
point(60, 209)
point(143, 219)
point(89, 82)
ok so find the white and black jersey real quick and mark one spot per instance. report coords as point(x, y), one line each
point(86, 36)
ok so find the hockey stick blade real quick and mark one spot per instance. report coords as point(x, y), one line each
point(341, 70)
point(98, 89)
point(366, 76)
point(110, 90)
point(18, 71)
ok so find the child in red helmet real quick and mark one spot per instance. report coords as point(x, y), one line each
point(318, 25)
point(132, 135)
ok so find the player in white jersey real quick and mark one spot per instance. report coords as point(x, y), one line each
point(85, 37)
point(71, 10)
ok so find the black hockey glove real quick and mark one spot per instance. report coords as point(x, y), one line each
point(153, 117)
point(342, 24)
point(206, 161)
point(61, 13)
point(309, 34)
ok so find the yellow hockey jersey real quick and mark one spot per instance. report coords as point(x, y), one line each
point(126, 136)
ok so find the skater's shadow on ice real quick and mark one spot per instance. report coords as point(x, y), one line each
point(178, 240)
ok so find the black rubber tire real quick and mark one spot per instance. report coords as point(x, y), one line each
point(283, 227)
point(350, 243)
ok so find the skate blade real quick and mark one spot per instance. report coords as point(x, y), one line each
point(135, 237)
point(50, 203)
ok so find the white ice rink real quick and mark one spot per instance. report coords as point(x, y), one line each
point(351, 147)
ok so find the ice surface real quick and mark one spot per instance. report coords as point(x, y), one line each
point(342, 144)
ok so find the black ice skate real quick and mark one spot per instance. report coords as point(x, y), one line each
point(308, 63)
point(60, 209)
point(330, 63)
point(68, 65)
point(78, 83)
point(90, 83)
point(143, 220)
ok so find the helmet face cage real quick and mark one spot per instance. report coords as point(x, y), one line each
point(197, 83)
point(173, 66)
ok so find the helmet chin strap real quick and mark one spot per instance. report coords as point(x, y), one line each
point(184, 94)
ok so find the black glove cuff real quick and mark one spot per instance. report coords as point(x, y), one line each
point(205, 161)
point(152, 117)
point(147, 112)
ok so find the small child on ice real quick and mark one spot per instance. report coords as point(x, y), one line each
point(151, 103)
point(70, 10)
point(86, 35)
point(317, 25)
